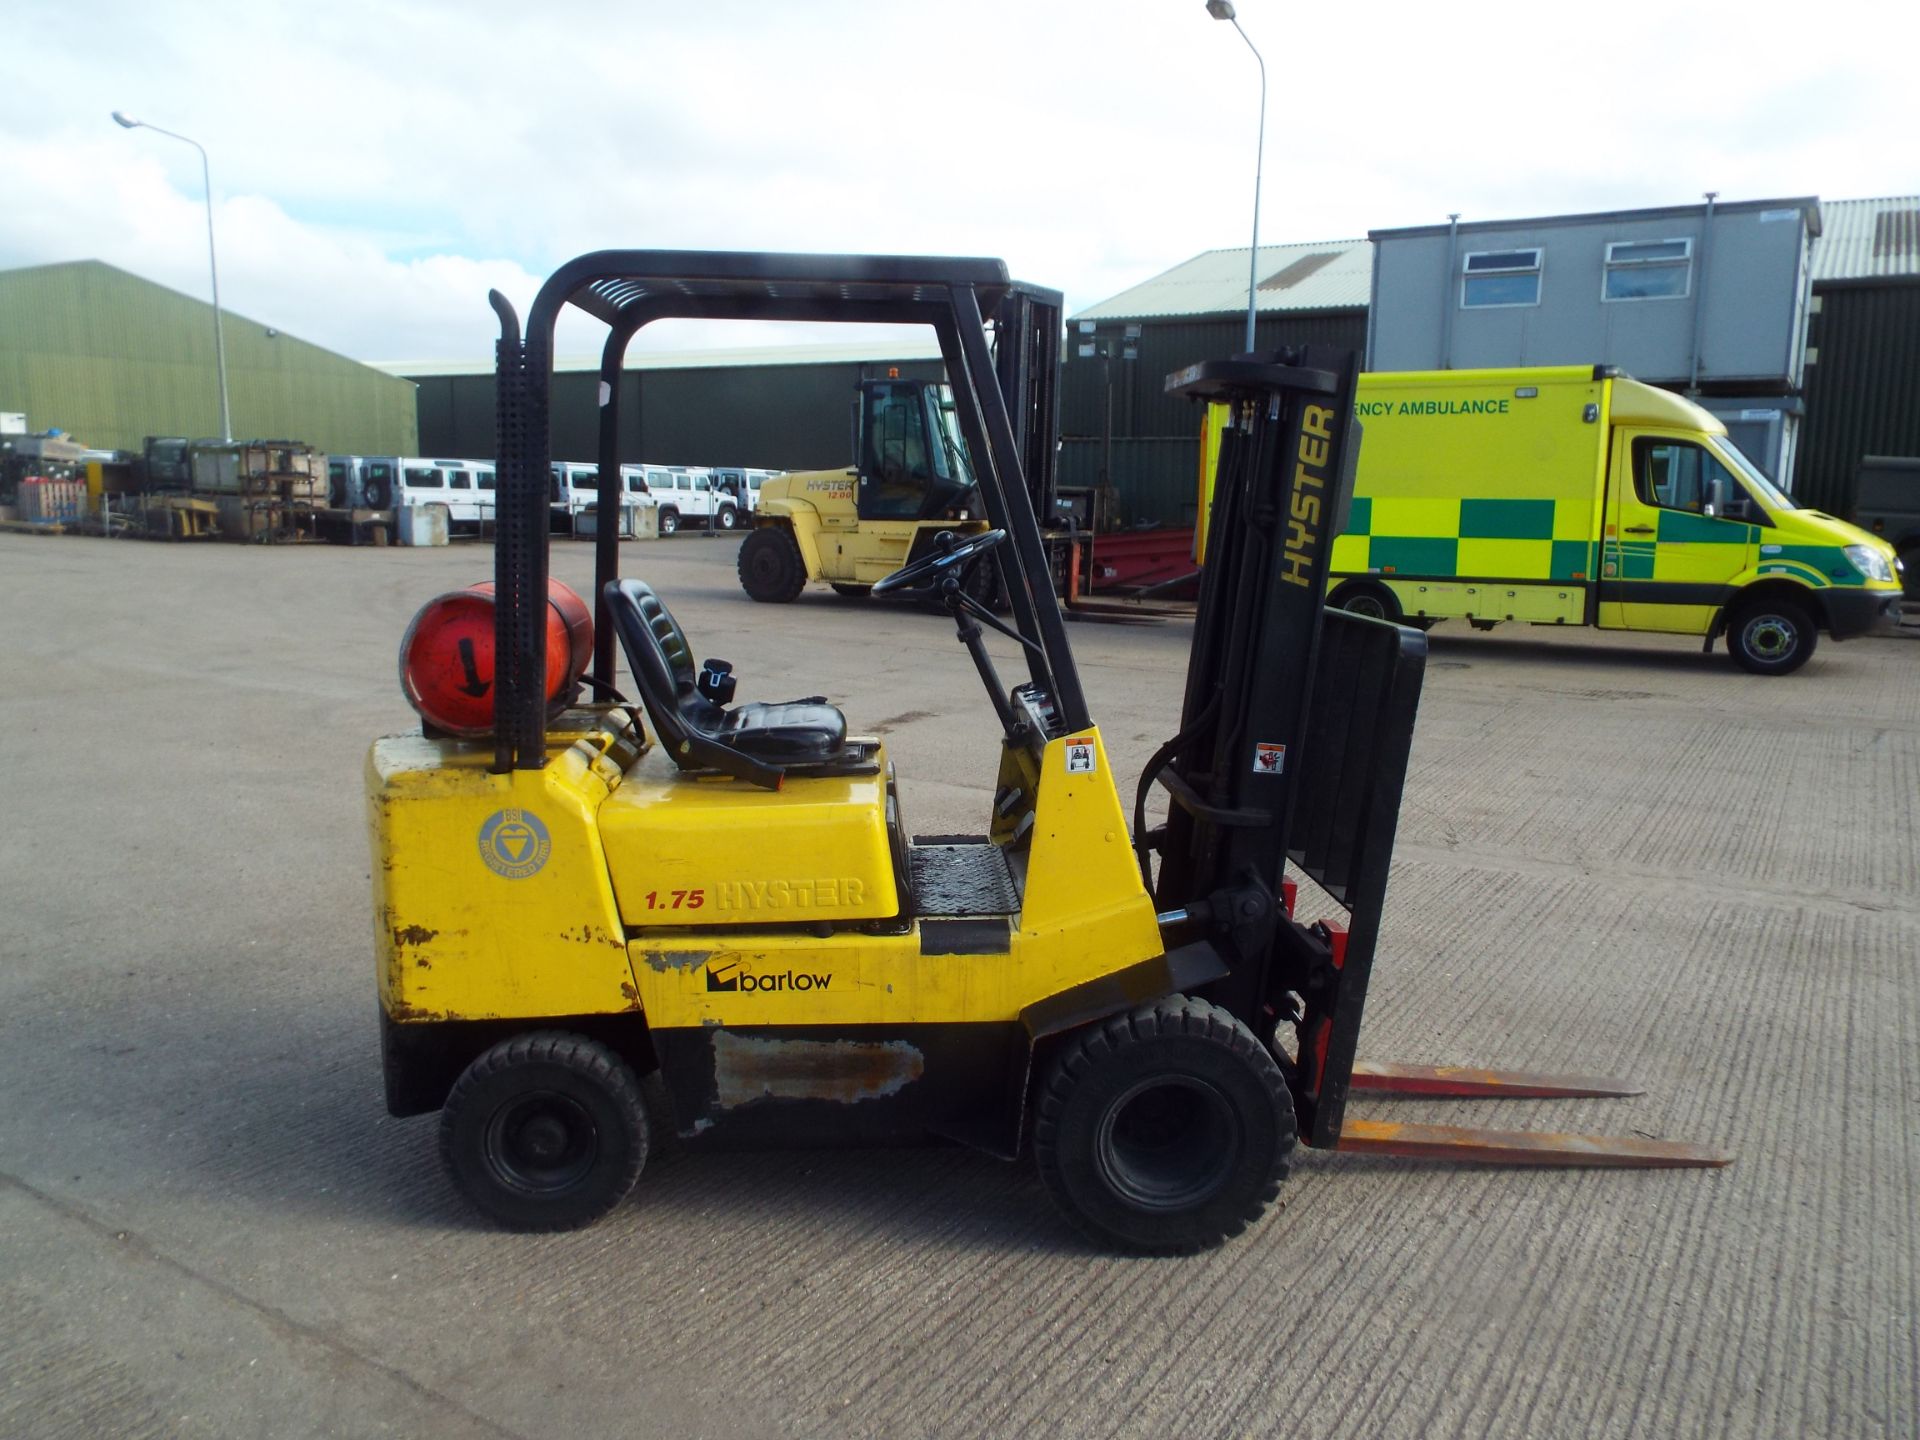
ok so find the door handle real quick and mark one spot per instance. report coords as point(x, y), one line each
point(1640, 530)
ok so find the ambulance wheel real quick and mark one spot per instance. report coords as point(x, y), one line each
point(1771, 637)
point(545, 1131)
point(1165, 1131)
point(1361, 597)
point(771, 568)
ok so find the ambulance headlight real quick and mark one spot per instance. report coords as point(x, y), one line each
point(1870, 562)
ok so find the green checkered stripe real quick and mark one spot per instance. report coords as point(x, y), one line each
point(1435, 537)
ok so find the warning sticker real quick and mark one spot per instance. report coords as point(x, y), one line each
point(1080, 759)
point(1269, 759)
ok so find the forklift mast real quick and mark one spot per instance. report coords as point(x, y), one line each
point(1295, 728)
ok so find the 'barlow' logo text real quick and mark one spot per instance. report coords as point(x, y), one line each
point(731, 977)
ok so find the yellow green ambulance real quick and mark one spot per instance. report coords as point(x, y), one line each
point(1578, 496)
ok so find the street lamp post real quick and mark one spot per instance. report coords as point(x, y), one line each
point(219, 337)
point(1223, 10)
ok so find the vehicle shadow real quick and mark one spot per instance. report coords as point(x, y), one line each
point(314, 1139)
point(1459, 649)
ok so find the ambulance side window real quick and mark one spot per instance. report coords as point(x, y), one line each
point(1675, 475)
point(1672, 474)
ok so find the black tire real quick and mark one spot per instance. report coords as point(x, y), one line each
point(375, 494)
point(727, 519)
point(852, 592)
point(771, 568)
point(1165, 1131)
point(982, 583)
point(545, 1131)
point(669, 520)
point(1363, 597)
point(1771, 636)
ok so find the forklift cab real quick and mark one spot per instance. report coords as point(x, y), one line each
point(908, 452)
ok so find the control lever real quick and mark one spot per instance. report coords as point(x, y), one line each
point(716, 682)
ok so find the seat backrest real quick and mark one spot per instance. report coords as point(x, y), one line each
point(662, 665)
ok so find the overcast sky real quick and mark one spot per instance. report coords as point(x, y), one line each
point(376, 167)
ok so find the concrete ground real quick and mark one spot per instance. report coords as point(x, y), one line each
point(1617, 856)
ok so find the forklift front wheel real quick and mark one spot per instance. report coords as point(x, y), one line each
point(771, 567)
point(545, 1131)
point(1165, 1131)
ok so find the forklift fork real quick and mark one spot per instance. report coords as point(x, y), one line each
point(1504, 1147)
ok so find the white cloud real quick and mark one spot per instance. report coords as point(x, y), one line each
point(378, 166)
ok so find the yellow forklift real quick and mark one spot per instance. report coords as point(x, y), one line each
point(726, 893)
point(911, 476)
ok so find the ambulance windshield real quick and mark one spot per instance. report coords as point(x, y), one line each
point(1773, 495)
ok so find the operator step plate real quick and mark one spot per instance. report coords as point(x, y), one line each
point(962, 878)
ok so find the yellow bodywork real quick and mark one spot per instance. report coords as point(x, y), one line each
point(838, 546)
point(616, 883)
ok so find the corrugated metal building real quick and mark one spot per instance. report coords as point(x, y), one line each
point(1863, 350)
point(775, 408)
point(1859, 371)
point(1125, 347)
point(111, 358)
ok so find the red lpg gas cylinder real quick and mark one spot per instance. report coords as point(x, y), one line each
point(447, 657)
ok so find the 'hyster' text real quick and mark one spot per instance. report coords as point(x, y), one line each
point(842, 894)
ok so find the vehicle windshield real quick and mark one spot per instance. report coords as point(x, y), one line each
point(956, 447)
point(1773, 495)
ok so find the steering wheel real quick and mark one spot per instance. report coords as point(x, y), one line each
point(948, 553)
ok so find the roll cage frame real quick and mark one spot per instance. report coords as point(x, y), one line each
point(1011, 441)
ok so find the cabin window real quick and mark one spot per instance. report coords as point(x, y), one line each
point(1648, 270)
point(1491, 278)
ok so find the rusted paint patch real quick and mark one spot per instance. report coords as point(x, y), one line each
point(633, 996)
point(665, 961)
point(413, 935)
point(747, 1069)
point(591, 934)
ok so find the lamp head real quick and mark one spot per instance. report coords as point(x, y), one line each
point(124, 121)
point(1220, 9)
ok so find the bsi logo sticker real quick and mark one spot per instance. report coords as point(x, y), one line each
point(514, 843)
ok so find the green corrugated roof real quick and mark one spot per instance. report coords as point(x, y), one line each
point(111, 357)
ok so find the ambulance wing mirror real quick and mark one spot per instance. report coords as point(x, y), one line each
point(1716, 502)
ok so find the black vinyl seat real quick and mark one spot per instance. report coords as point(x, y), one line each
point(755, 740)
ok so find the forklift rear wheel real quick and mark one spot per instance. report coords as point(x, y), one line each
point(1165, 1131)
point(545, 1131)
point(771, 568)
point(1771, 637)
point(852, 592)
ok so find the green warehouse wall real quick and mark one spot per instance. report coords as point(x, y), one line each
point(112, 358)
